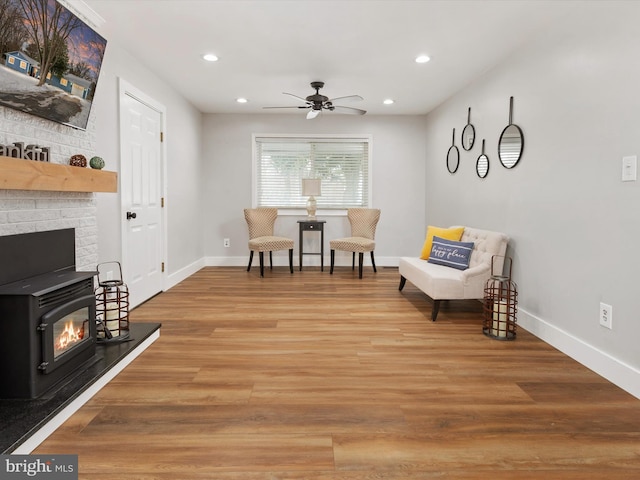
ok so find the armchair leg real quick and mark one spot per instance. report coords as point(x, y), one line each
point(373, 262)
point(434, 311)
point(261, 255)
point(271, 260)
point(353, 261)
point(402, 282)
point(250, 260)
point(333, 255)
point(291, 259)
point(360, 258)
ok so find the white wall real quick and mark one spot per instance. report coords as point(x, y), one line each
point(398, 171)
point(574, 225)
point(183, 162)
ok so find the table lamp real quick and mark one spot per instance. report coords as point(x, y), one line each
point(311, 188)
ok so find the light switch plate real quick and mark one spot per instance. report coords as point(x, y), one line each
point(629, 168)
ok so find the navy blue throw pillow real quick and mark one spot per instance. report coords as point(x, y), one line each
point(451, 254)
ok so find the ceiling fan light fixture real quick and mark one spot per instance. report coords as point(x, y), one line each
point(317, 103)
point(422, 58)
point(210, 57)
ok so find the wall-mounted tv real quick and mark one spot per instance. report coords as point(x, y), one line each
point(50, 61)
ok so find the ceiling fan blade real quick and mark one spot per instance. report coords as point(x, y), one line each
point(313, 114)
point(288, 107)
point(296, 96)
point(349, 110)
point(348, 97)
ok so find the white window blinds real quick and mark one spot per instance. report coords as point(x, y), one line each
point(342, 164)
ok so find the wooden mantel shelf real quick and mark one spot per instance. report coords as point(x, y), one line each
point(19, 174)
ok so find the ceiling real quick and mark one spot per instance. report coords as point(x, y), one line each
point(356, 47)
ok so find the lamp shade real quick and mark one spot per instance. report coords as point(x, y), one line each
point(311, 187)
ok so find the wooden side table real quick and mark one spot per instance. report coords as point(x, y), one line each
point(312, 226)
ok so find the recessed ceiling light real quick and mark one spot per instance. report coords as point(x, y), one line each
point(241, 100)
point(210, 57)
point(422, 59)
point(388, 101)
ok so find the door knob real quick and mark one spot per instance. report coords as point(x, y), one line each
point(131, 215)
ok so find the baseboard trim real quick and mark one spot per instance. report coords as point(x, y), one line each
point(617, 372)
point(184, 273)
point(282, 260)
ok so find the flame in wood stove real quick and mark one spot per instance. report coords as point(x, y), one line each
point(69, 336)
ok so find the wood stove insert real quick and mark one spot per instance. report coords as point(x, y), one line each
point(47, 313)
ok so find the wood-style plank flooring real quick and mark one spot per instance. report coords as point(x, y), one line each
point(314, 376)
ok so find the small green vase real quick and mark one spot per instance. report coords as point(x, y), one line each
point(97, 163)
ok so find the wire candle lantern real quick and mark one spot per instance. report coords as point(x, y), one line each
point(500, 304)
point(112, 306)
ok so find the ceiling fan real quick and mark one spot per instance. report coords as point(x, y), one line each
point(316, 103)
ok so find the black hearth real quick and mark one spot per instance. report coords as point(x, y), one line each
point(47, 313)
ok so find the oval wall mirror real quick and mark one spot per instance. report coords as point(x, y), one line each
point(511, 142)
point(468, 133)
point(482, 164)
point(453, 155)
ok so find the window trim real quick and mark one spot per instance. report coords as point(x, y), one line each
point(326, 136)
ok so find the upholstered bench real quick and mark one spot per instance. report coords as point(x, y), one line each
point(442, 282)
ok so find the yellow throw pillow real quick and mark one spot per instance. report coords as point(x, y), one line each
point(449, 233)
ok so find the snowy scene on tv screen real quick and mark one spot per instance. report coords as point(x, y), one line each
point(49, 61)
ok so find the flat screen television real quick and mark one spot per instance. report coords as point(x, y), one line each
point(50, 61)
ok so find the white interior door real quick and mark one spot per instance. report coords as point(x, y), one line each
point(141, 175)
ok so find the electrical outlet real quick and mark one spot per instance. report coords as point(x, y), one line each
point(227, 243)
point(606, 315)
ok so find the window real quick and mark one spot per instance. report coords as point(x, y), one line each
point(12, 60)
point(342, 164)
point(23, 65)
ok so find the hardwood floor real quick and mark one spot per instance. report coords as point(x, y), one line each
point(327, 377)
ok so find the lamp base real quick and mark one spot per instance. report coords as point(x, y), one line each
point(311, 208)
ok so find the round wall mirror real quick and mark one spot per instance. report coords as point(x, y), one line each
point(453, 155)
point(511, 142)
point(468, 133)
point(482, 164)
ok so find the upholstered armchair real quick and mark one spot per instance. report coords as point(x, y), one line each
point(363, 231)
point(261, 239)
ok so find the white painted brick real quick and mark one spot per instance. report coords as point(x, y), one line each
point(87, 222)
point(88, 241)
point(87, 232)
point(16, 228)
point(17, 204)
point(56, 224)
point(78, 213)
point(24, 211)
point(22, 216)
point(86, 264)
point(86, 251)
